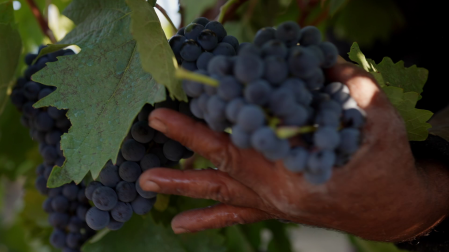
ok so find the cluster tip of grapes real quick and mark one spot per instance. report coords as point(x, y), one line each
point(277, 78)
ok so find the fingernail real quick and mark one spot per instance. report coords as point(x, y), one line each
point(151, 186)
point(158, 125)
point(179, 230)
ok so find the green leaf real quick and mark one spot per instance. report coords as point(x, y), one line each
point(336, 5)
point(236, 240)
point(6, 12)
point(194, 8)
point(280, 241)
point(104, 87)
point(49, 49)
point(142, 234)
point(403, 87)
point(155, 53)
point(440, 124)
point(371, 246)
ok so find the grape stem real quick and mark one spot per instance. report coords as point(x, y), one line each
point(164, 12)
point(229, 8)
point(183, 74)
point(288, 131)
point(42, 21)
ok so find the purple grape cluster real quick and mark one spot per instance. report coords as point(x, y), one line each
point(66, 205)
point(277, 78)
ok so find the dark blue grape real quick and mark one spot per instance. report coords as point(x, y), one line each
point(74, 240)
point(264, 35)
point(276, 70)
point(298, 117)
point(333, 88)
point(327, 118)
point(97, 219)
point(316, 80)
point(216, 123)
point(53, 137)
point(250, 118)
point(250, 49)
point(349, 141)
point(149, 161)
point(173, 150)
point(29, 58)
point(289, 33)
point(299, 89)
point(232, 41)
point(330, 105)
point(280, 152)
point(91, 188)
point(160, 138)
point(181, 31)
point(274, 48)
point(122, 212)
point(29, 111)
point(188, 154)
point(258, 92)
point(330, 54)
point(109, 175)
point(282, 102)
point(190, 50)
point(192, 88)
point(224, 49)
point(342, 96)
point(296, 161)
point(75, 224)
point(144, 194)
point(18, 98)
point(141, 132)
point(142, 206)
point(193, 30)
point(60, 204)
point(326, 138)
point(47, 206)
point(207, 40)
point(81, 211)
point(220, 66)
point(133, 150)
point(264, 139)
point(196, 109)
point(310, 35)
point(31, 90)
point(41, 185)
point(218, 29)
point(130, 171)
point(126, 191)
point(70, 191)
point(176, 43)
point(44, 92)
point(303, 62)
point(58, 220)
point(354, 117)
point(53, 192)
point(104, 198)
point(30, 71)
point(318, 53)
point(244, 44)
point(44, 122)
point(202, 102)
point(189, 65)
point(203, 60)
point(229, 88)
point(318, 177)
point(319, 166)
point(201, 20)
point(233, 108)
point(248, 67)
point(58, 239)
point(145, 112)
point(81, 196)
point(114, 225)
point(240, 137)
point(40, 169)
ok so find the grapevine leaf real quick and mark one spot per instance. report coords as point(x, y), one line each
point(403, 87)
point(195, 8)
point(143, 234)
point(6, 12)
point(336, 5)
point(440, 124)
point(103, 87)
point(152, 44)
point(372, 246)
point(49, 49)
point(236, 240)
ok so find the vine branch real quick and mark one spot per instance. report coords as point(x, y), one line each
point(162, 10)
point(41, 21)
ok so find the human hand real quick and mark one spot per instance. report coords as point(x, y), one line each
point(381, 194)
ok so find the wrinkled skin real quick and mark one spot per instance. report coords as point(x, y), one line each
point(382, 194)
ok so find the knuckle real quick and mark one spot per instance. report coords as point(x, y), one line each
point(220, 193)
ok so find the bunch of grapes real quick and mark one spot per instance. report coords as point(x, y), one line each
point(66, 205)
point(276, 82)
point(117, 194)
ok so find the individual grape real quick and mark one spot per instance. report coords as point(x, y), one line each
point(350, 141)
point(70, 191)
point(160, 138)
point(224, 49)
point(29, 58)
point(149, 161)
point(47, 205)
point(203, 60)
point(264, 35)
point(229, 88)
point(74, 240)
point(38, 136)
point(58, 220)
point(326, 138)
point(109, 175)
point(97, 219)
point(302, 62)
point(310, 35)
point(44, 92)
point(233, 108)
point(217, 124)
point(192, 88)
point(282, 102)
point(330, 105)
point(53, 137)
point(142, 206)
point(321, 161)
point(201, 20)
point(280, 152)
point(330, 54)
point(17, 98)
point(81, 195)
point(104, 198)
point(122, 212)
point(53, 192)
point(63, 124)
point(250, 49)
point(333, 88)
point(75, 224)
point(316, 80)
point(29, 111)
point(31, 90)
point(220, 66)
point(67, 249)
point(130, 171)
point(114, 225)
point(145, 112)
point(233, 41)
point(216, 106)
point(190, 50)
point(318, 98)
point(58, 239)
point(274, 48)
point(218, 29)
point(342, 96)
point(144, 194)
point(276, 70)
point(44, 122)
point(173, 150)
point(176, 43)
point(133, 150)
point(251, 118)
point(181, 31)
point(289, 33)
point(81, 212)
point(318, 177)
point(327, 118)
point(208, 40)
point(195, 109)
point(264, 139)
point(296, 161)
point(193, 30)
point(41, 185)
point(91, 188)
point(40, 170)
point(189, 65)
point(60, 204)
point(72, 206)
point(315, 49)
point(349, 104)
point(126, 191)
point(299, 116)
point(299, 89)
point(354, 117)
point(30, 71)
point(202, 102)
point(141, 132)
point(258, 92)
point(248, 67)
